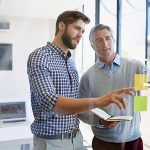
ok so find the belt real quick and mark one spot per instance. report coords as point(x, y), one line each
point(60, 136)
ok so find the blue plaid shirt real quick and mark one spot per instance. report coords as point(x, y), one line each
point(50, 75)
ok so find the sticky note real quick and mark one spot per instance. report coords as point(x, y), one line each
point(140, 103)
point(139, 81)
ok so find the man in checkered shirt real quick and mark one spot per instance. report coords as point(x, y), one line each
point(54, 86)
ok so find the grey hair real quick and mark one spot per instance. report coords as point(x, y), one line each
point(99, 27)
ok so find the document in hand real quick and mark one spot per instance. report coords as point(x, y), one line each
point(105, 116)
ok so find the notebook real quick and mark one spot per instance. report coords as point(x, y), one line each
point(105, 116)
point(13, 113)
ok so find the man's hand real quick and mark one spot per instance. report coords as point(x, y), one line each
point(115, 97)
point(108, 124)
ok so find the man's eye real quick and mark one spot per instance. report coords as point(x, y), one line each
point(108, 39)
point(98, 41)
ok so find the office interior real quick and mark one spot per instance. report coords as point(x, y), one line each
point(28, 24)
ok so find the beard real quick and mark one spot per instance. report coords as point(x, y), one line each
point(67, 41)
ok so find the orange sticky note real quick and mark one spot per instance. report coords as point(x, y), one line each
point(139, 81)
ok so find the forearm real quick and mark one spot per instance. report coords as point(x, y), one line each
point(71, 106)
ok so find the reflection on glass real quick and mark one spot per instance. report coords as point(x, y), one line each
point(148, 32)
point(133, 29)
point(108, 13)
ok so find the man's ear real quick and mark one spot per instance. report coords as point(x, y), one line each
point(93, 46)
point(61, 27)
point(114, 40)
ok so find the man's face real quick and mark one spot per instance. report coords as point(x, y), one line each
point(103, 43)
point(72, 34)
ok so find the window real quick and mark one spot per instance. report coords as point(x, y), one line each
point(5, 56)
point(133, 29)
point(148, 31)
point(108, 13)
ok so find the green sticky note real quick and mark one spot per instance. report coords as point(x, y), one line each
point(140, 103)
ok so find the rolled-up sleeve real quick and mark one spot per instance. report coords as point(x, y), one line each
point(41, 84)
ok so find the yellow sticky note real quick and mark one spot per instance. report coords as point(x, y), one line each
point(139, 81)
point(140, 103)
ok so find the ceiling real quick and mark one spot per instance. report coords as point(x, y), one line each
point(37, 8)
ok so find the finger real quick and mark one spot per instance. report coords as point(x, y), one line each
point(120, 102)
point(117, 103)
point(112, 124)
point(123, 90)
point(130, 93)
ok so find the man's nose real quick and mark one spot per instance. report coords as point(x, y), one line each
point(80, 33)
point(105, 43)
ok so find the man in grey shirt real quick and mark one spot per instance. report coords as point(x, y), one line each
point(111, 72)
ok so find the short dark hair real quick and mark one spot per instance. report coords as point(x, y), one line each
point(99, 27)
point(69, 17)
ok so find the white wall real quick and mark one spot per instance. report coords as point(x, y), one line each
point(25, 34)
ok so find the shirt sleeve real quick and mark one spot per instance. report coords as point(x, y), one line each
point(84, 91)
point(41, 84)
